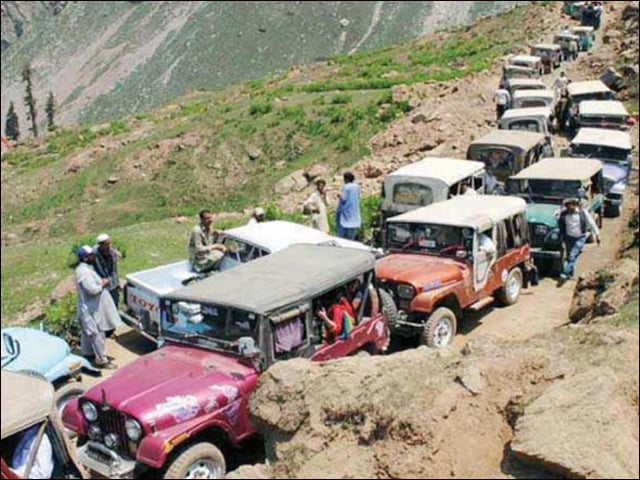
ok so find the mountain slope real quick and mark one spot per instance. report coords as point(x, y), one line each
point(107, 59)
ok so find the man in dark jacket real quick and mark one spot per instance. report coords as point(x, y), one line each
point(106, 265)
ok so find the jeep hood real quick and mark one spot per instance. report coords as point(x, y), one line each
point(544, 213)
point(174, 384)
point(613, 171)
point(39, 351)
point(419, 270)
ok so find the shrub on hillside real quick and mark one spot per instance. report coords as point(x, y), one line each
point(60, 319)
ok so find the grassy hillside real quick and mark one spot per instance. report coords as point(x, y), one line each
point(224, 149)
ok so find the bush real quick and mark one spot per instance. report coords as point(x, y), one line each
point(60, 319)
point(260, 108)
point(341, 99)
point(118, 126)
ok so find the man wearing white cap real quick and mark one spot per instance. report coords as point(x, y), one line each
point(96, 310)
point(106, 265)
point(257, 217)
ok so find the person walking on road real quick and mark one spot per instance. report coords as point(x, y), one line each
point(95, 310)
point(502, 99)
point(348, 219)
point(316, 206)
point(575, 223)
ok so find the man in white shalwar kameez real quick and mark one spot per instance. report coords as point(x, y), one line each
point(97, 312)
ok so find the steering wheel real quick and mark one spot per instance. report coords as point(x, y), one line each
point(451, 248)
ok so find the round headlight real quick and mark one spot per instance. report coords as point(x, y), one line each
point(405, 291)
point(555, 236)
point(134, 430)
point(89, 411)
point(95, 432)
point(111, 440)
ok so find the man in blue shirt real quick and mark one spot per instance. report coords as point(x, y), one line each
point(348, 219)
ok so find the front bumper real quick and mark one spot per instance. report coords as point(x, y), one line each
point(106, 462)
point(537, 253)
point(404, 327)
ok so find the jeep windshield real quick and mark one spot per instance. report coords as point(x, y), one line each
point(441, 240)
point(527, 125)
point(209, 326)
point(600, 152)
point(238, 252)
point(499, 162)
point(545, 190)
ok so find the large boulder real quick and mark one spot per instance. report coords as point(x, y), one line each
point(258, 471)
point(294, 182)
point(581, 427)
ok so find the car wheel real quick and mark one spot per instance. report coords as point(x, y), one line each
point(510, 292)
point(612, 211)
point(439, 329)
point(389, 307)
point(202, 460)
point(66, 393)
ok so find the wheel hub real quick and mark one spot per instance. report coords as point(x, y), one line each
point(204, 469)
point(443, 333)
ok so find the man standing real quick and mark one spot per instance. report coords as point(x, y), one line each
point(204, 252)
point(502, 99)
point(106, 264)
point(560, 85)
point(257, 217)
point(96, 311)
point(348, 219)
point(316, 206)
point(575, 223)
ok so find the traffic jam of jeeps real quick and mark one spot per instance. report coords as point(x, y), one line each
point(452, 236)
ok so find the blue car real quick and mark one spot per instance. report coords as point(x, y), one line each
point(29, 349)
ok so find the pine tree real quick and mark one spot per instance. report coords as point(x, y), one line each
point(50, 110)
point(11, 126)
point(29, 100)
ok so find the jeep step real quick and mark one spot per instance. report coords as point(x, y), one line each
point(480, 304)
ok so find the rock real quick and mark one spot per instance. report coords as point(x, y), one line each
point(180, 219)
point(253, 153)
point(611, 35)
point(258, 471)
point(294, 182)
point(113, 180)
point(400, 93)
point(64, 288)
point(568, 431)
point(373, 170)
point(344, 22)
point(471, 379)
point(630, 12)
point(317, 171)
point(612, 79)
point(414, 103)
point(419, 118)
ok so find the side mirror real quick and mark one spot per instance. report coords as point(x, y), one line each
point(247, 347)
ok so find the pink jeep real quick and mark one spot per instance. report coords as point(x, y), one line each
point(170, 412)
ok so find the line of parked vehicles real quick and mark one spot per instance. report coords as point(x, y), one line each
point(439, 252)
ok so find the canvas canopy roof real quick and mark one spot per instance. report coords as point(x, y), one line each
point(567, 36)
point(448, 170)
point(296, 274)
point(561, 169)
point(529, 82)
point(519, 94)
point(588, 86)
point(603, 137)
point(26, 401)
point(473, 211)
point(514, 113)
point(546, 46)
point(526, 59)
point(603, 108)
point(582, 29)
point(511, 139)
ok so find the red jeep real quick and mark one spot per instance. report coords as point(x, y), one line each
point(451, 256)
point(173, 410)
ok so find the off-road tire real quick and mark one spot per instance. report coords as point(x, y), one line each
point(506, 297)
point(428, 336)
point(612, 212)
point(388, 307)
point(34, 374)
point(190, 455)
point(68, 392)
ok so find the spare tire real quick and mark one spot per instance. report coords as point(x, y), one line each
point(389, 307)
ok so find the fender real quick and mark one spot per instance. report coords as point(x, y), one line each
point(425, 301)
point(156, 447)
point(72, 417)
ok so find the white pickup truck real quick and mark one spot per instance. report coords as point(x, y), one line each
point(144, 289)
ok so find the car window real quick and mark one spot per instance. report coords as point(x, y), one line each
point(288, 336)
point(525, 125)
point(412, 194)
point(240, 250)
point(496, 159)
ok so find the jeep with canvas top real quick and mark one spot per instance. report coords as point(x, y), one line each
point(173, 412)
point(545, 185)
point(453, 256)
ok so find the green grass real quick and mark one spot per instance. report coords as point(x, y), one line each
point(628, 315)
